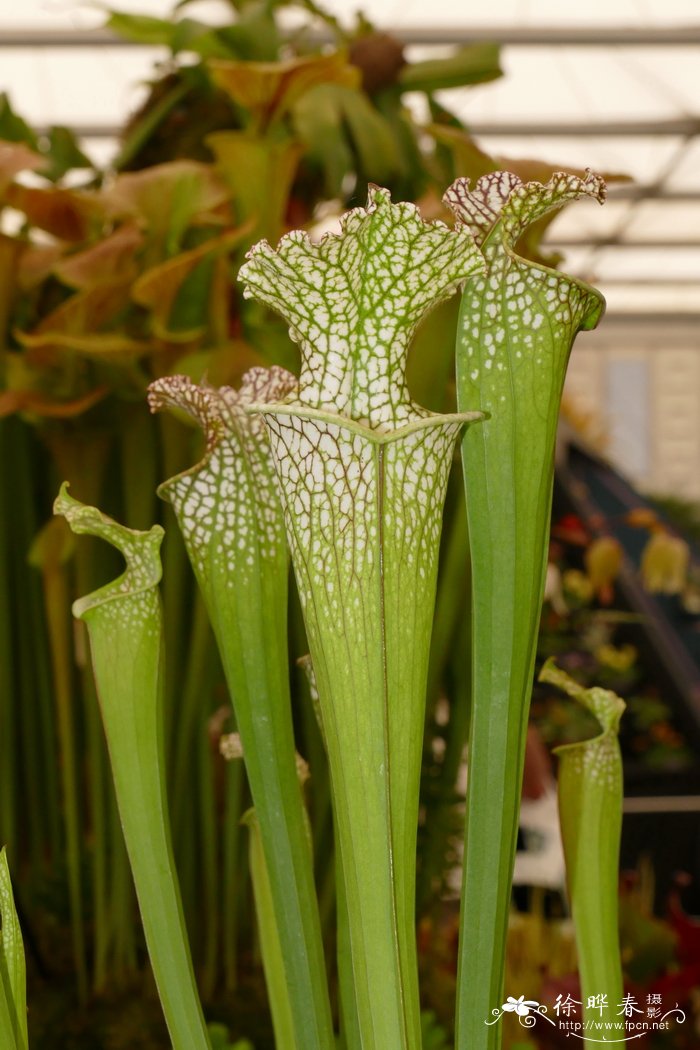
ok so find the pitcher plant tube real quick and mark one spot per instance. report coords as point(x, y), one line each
point(362, 472)
point(124, 623)
point(342, 467)
point(13, 978)
point(517, 324)
point(590, 813)
point(229, 513)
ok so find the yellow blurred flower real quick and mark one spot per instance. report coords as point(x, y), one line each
point(616, 657)
point(665, 563)
point(577, 586)
point(603, 562)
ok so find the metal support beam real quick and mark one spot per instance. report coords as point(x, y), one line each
point(615, 242)
point(537, 36)
point(543, 36)
point(685, 127)
point(636, 191)
point(662, 804)
point(683, 283)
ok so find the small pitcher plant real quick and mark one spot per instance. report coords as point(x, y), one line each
point(344, 471)
point(590, 809)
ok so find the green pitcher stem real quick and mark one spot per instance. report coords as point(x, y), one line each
point(124, 623)
point(368, 600)
point(13, 977)
point(517, 324)
point(229, 513)
point(590, 812)
point(362, 471)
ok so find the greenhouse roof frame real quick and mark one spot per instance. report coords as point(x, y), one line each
point(655, 220)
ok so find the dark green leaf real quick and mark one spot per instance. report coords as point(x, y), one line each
point(187, 34)
point(139, 133)
point(63, 154)
point(371, 135)
point(413, 177)
point(434, 1035)
point(475, 64)
point(191, 306)
point(142, 29)
point(12, 127)
point(318, 121)
point(221, 1040)
point(254, 36)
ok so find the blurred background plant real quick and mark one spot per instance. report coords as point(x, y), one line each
point(111, 278)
